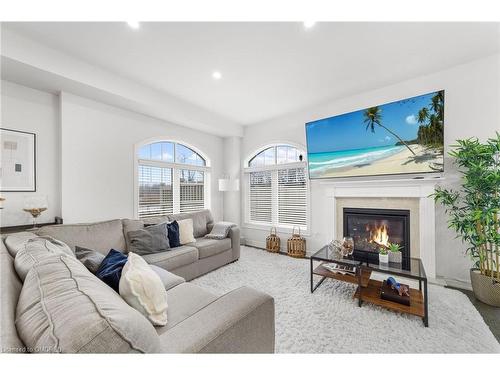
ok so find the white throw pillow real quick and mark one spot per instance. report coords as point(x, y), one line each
point(143, 289)
point(186, 231)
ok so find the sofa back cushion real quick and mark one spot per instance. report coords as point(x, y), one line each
point(128, 226)
point(16, 241)
point(200, 221)
point(152, 239)
point(64, 308)
point(101, 236)
point(36, 250)
point(10, 288)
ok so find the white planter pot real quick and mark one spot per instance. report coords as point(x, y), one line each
point(383, 258)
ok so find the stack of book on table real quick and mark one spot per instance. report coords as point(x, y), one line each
point(340, 268)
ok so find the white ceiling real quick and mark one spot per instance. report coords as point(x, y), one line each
point(268, 69)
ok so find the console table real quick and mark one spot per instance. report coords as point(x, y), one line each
point(368, 289)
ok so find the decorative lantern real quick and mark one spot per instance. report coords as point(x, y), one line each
point(273, 242)
point(296, 245)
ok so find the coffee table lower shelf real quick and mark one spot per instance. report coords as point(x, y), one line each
point(371, 293)
point(347, 277)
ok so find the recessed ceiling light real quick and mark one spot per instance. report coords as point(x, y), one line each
point(216, 75)
point(133, 24)
point(309, 24)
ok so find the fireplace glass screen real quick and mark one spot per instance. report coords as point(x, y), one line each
point(375, 228)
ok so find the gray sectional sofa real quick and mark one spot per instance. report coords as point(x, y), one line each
point(61, 306)
point(188, 261)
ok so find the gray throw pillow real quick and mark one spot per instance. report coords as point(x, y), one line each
point(91, 259)
point(152, 239)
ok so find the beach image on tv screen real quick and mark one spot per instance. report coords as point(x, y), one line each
point(395, 138)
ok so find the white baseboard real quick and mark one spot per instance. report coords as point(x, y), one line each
point(457, 284)
point(436, 281)
point(262, 245)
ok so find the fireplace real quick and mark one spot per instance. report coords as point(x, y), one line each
point(374, 228)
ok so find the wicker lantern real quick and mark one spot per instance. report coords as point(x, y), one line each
point(273, 242)
point(296, 245)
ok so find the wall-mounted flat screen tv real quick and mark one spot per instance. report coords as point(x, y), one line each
point(403, 137)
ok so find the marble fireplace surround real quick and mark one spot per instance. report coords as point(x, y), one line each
point(410, 194)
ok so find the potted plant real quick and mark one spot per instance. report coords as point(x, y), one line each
point(475, 212)
point(395, 255)
point(383, 255)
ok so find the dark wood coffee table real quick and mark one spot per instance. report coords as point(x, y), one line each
point(368, 289)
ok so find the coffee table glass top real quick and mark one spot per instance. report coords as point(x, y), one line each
point(411, 267)
point(328, 255)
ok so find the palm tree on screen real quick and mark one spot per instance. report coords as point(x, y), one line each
point(373, 116)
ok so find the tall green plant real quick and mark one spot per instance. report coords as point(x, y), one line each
point(475, 209)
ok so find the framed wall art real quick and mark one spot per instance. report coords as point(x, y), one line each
point(18, 161)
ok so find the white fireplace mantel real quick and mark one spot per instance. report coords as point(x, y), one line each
point(407, 188)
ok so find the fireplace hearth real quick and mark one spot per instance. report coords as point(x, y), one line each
point(372, 229)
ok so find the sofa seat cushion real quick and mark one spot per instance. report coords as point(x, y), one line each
point(168, 279)
point(102, 236)
point(64, 308)
point(200, 220)
point(208, 247)
point(173, 258)
point(183, 301)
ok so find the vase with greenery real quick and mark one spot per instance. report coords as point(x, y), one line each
point(474, 211)
point(395, 255)
point(383, 255)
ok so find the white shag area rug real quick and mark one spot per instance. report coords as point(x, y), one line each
point(330, 321)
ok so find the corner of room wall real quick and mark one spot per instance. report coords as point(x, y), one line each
point(30, 110)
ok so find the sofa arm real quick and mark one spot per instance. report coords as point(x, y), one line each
point(241, 321)
point(234, 235)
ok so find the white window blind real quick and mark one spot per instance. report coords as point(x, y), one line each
point(192, 197)
point(171, 178)
point(261, 202)
point(155, 191)
point(292, 197)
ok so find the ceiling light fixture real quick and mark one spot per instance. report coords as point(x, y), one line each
point(133, 24)
point(216, 75)
point(309, 24)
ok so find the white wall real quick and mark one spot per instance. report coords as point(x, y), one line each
point(98, 158)
point(37, 112)
point(471, 109)
point(232, 169)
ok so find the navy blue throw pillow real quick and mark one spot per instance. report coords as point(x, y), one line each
point(173, 234)
point(111, 267)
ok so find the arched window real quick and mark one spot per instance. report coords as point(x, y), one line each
point(277, 187)
point(172, 178)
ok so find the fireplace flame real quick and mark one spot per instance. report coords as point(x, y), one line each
point(380, 235)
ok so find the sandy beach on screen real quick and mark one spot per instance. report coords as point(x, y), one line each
point(402, 162)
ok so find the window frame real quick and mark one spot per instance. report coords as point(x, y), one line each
point(176, 167)
point(283, 228)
